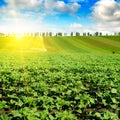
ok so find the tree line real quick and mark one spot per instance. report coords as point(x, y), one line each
point(58, 34)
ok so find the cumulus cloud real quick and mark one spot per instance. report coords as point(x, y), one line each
point(61, 6)
point(24, 4)
point(29, 14)
point(69, 8)
point(76, 25)
point(58, 5)
point(78, 0)
point(36, 8)
point(107, 10)
point(106, 14)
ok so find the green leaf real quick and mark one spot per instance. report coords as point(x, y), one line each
point(113, 90)
point(79, 111)
point(114, 100)
point(82, 105)
point(114, 106)
point(104, 102)
point(92, 100)
point(4, 117)
point(19, 103)
point(16, 113)
point(97, 114)
point(26, 111)
point(3, 105)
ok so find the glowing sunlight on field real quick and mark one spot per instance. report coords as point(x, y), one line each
point(42, 45)
point(18, 36)
point(17, 41)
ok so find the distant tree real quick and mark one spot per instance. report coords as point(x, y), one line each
point(115, 33)
point(2, 34)
point(35, 34)
point(31, 34)
point(77, 34)
point(43, 34)
point(27, 34)
point(84, 34)
point(88, 34)
point(106, 34)
point(50, 33)
point(119, 33)
point(96, 33)
point(100, 33)
point(71, 34)
point(65, 34)
point(47, 34)
point(59, 34)
point(40, 34)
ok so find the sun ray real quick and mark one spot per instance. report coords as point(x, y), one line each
point(42, 44)
point(18, 36)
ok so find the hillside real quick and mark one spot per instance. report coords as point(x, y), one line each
point(53, 78)
point(80, 44)
point(83, 44)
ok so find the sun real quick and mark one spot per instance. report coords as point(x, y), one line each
point(18, 36)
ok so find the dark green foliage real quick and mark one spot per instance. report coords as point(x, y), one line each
point(77, 34)
point(50, 33)
point(100, 33)
point(96, 33)
point(54, 86)
point(59, 34)
point(71, 34)
point(88, 34)
point(36, 34)
point(43, 34)
point(84, 34)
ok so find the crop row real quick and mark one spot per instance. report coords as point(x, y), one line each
point(49, 86)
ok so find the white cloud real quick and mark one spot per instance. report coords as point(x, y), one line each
point(59, 5)
point(78, 0)
point(49, 4)
point(107, 10)
point(28, 15)
point(67, 8)
point(24, 4)
point(106, 14)
point(76, 25)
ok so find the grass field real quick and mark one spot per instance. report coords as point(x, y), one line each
point(81, 44)
point(60, 78)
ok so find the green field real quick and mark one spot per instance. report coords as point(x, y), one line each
point(60, 78)
point(80, 44)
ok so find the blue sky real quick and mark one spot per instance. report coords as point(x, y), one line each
point(60, 16)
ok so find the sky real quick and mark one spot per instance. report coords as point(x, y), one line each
point(60, 16)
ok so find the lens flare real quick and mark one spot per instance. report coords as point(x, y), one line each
point(18, 36)
point(42, 45)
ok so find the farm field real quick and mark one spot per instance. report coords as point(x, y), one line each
point(60, 78)
point(80, 44)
